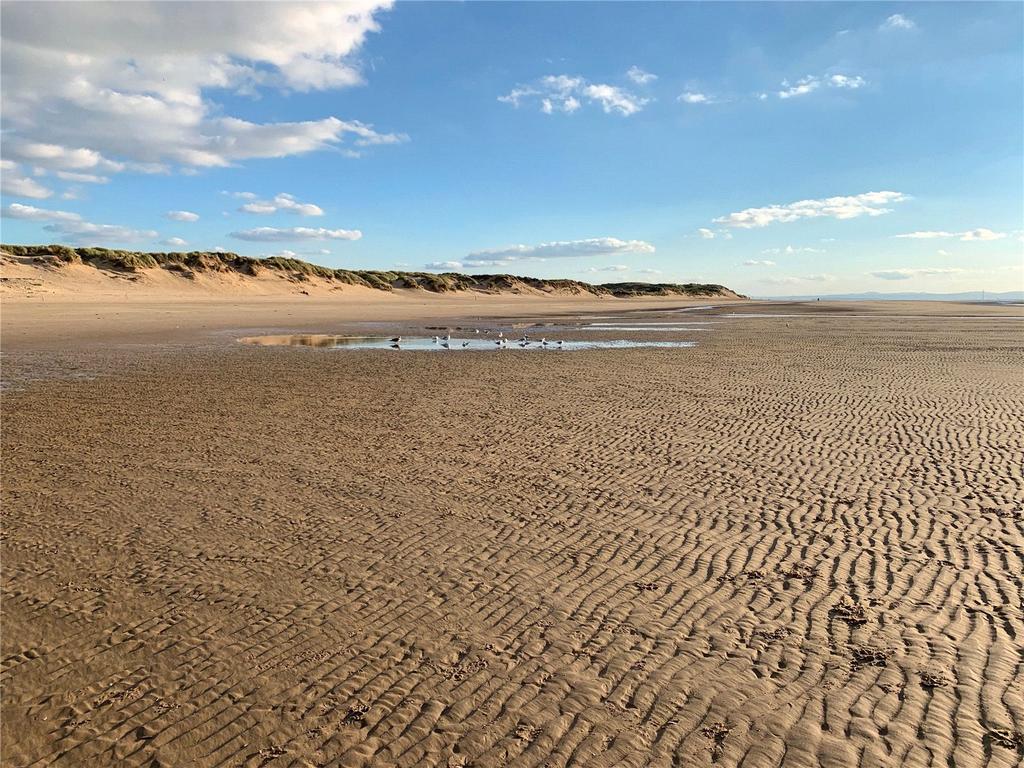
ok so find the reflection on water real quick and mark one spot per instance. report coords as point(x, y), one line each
point(426, 343)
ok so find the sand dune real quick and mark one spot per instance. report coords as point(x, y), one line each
point(799, 543)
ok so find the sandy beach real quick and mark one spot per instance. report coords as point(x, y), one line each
point(798, 543)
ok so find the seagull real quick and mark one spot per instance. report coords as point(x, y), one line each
point(476, 330)
point(559, 342)
point(543, 341)
point(437, 339)
point(448, 337)
point(466, 343)
point(524, 343)
point(500, 334)
point(446, 345)
point(397, 340)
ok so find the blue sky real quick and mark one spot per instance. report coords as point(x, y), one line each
point(775, 148)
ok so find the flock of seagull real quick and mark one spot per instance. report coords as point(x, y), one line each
point(447, 343)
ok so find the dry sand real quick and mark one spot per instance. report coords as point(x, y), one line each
point(799, 543)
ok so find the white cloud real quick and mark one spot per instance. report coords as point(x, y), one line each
point(595, 246)
point(21, 186)
point(563, 93)
point(789, 250)
point(444, 266)
point(849, 207)
point(175, 242)
point(609, 268)
point(897, 21)
point(105, 86)
point(613, 99)
point(639, 76)
point(707, 234)
point(282, 202)
point(970, 235)
point(72, 227)
point(845, 81)
point(289, 234)
point(907, 274)
point(649, 271)
point(694, 97)
point(82, 178)
point(811, 83)
point(31, 213)
point(802, 87)
point(942, 252)
point(181, 216)
point(758, 263)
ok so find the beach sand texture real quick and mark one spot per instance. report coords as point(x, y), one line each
point(800, 543)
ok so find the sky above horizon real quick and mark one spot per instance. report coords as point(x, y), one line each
point(777, 148)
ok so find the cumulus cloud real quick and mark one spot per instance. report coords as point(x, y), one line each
point(175, 242)
point(707, 234)
point(845, 81)
point(292, 234)
point(758, 263)
point(848, 207)
point(907, 274)
point(639, 76)
point(897, 21)
point(16, 185)
point(443, 266)
point(181, 216)
point(72, 227)
point(694, 97)
point(102, 87)
point(595, 246)
point(566, 93)
point(969, 236)
point(802, 87)
point(282, 202)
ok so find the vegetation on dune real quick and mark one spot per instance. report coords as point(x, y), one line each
point(188, 264)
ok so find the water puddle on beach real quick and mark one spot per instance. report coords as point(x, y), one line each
point(428, 344)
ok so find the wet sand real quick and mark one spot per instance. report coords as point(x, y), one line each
point(798, 543)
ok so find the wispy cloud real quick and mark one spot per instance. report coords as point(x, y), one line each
point(294, 234)
point(595, 246)
point(970, 235)
point(639, 76)
point(758, 263)
point(282, 202)
point(694, 97)
point(908, 274)
point(74, 228)
point(609, 268)
point(897, 21)
point(789, 250)
point(181, 216)
point(566, 94)
point(847, 207)
point(811, 83)
point(175, 242)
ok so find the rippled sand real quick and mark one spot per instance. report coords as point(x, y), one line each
point(798, 543)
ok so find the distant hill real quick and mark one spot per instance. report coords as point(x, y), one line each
point(1006, 296)
point(195, 264)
